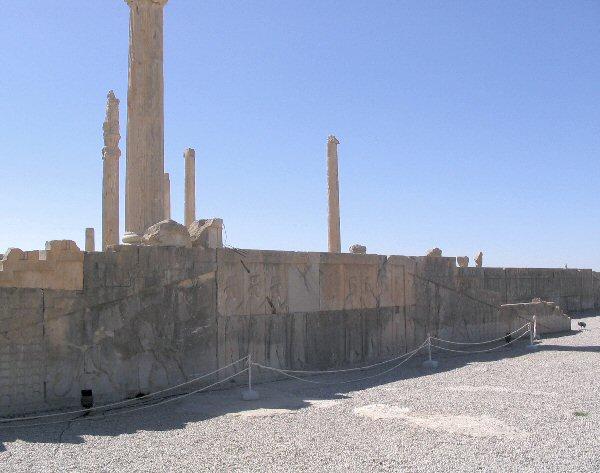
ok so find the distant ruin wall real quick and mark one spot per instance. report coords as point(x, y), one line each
point(574, 290)
point(148, 318)
point(59, 266)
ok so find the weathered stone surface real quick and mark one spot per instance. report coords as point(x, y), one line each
point(150, 317)
point(333, 192)
point(358, 249)
point(90, 242)
point(59, 266)
point(479, 260)
point(463, 261)
point(436, 252)
point(110, 173)
point(207, 233)
point(167, 196)
point(131, 238)
point(189, 156)
point(167, 233)
point(145, 117)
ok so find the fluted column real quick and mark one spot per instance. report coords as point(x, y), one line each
point(145, 116)
point(167, 196)
point(333, 190)
point(190, 186)
point(110, 173)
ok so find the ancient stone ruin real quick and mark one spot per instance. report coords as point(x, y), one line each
point(171, 301)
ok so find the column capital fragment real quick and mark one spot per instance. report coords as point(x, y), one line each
point(332, 139)
point(161, 3)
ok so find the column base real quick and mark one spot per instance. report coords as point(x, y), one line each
point(250, 395)
point(131, 238)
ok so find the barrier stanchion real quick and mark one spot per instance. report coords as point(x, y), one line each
point(249, 394)
point(429, 363)
point(532, 345)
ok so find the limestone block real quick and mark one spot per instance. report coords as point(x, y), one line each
point(463, 261)
point(303, 283)
point(207, 233)
point(358, 249)
point(59, 266)
point(436, 252)
point(167, 233)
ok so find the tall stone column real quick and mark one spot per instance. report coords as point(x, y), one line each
point(145, 117)
point(167, 196)
point(190, 186)
point(110, 173)
point(90, 242)
point(333, 190)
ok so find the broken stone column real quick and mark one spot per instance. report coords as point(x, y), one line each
point(145, 117)
point(110, 173)
point(189, 156)
point(333, 190)
point(358, 249)
point(463, 261)
point(479, 260)
point(207, 234)
point(90, 242)
point(167, 196)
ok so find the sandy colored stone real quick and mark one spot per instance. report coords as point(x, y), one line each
point(479, 260)
point(167, 196)
point(358, 249)
point(145, 117)
point(435, 252)
point(110, 173)
point(207, 234)
point(333, 192)
point(90, 242)
point(167, 233)
point(189, 156)
point(58, 266)
point(463, 261)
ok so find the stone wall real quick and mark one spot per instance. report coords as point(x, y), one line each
point(59, 266)
point(574, 290)
point(146, 318)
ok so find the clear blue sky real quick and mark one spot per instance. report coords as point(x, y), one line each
point(468, 125)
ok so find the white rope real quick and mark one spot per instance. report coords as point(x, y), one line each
point(481, 351)
point(285, 373)
point(480, 343)
point(125, 412)
point(361, 368)
point(81, 411)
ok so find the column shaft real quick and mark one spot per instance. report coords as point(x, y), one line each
point(145, 117)
point(110, 174)
point(167, 196)
point(333, 189)
point(90, 241)
point(190, 186)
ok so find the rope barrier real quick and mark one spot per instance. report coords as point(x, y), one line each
point(482, 351)
point(480, 343)
point(124, 412)
point(137, 399)
point(287, 372)
point(361, 368)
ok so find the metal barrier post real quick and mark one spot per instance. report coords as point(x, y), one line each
point(249, 394)
point(532, 345)
point(429, 363)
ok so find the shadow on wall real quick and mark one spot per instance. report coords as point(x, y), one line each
point(284, 394)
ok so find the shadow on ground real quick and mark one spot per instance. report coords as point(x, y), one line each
point(281, 394)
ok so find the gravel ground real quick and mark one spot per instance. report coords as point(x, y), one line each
point(511, 410)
